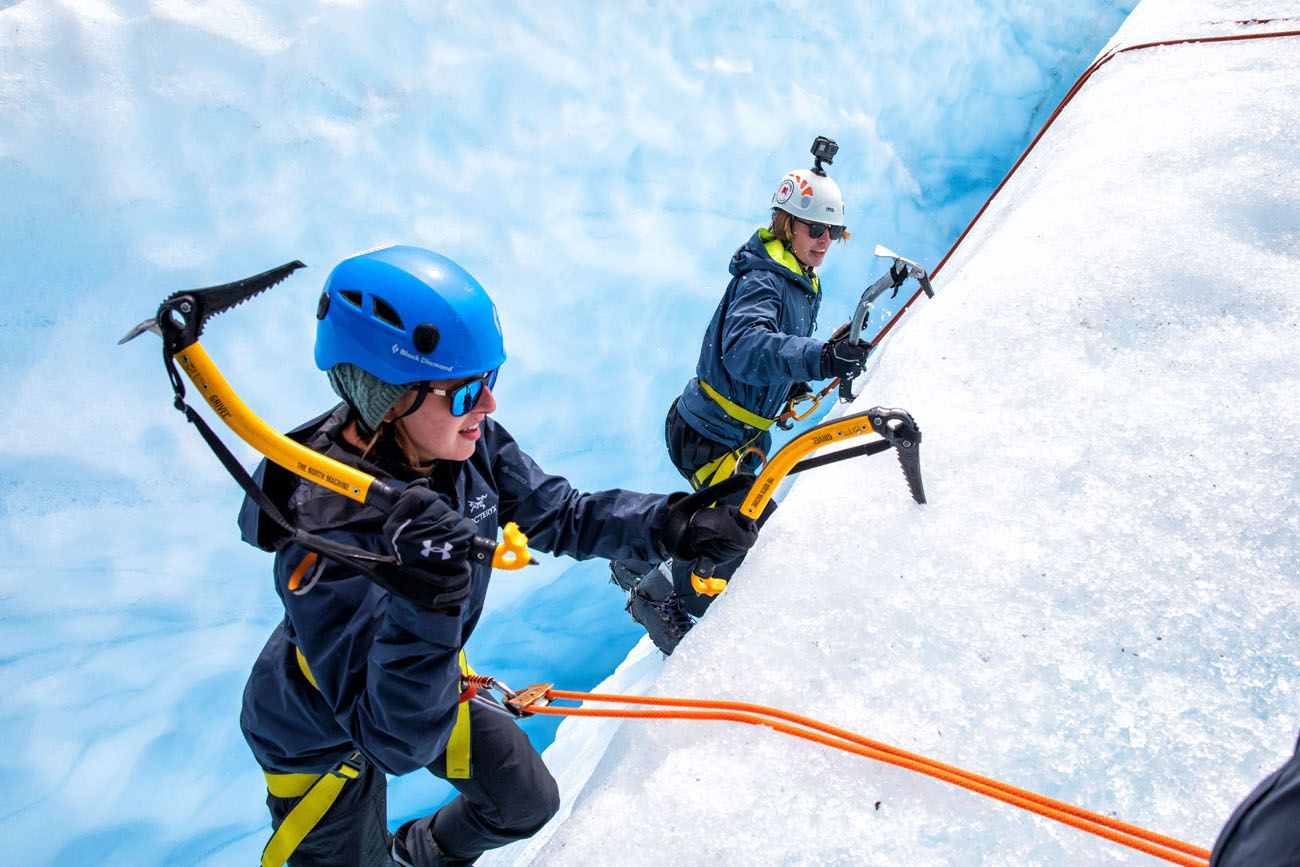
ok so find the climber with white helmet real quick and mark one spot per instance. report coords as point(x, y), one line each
point(758, 352)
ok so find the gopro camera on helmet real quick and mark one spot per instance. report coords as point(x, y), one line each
point(808, 194)
point(823, 150)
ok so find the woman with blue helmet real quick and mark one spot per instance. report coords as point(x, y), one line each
point(361, 679)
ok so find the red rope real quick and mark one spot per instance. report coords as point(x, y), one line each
point(1157, 845)
point(1070, 94)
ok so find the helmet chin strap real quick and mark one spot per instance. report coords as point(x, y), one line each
point(421, 392)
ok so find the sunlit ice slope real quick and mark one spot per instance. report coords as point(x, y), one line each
point(1098, 602)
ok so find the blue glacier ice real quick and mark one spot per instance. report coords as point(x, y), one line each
point(595, 171)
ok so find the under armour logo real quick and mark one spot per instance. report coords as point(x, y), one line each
point(444, 549)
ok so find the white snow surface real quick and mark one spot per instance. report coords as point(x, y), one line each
point(1098, 602)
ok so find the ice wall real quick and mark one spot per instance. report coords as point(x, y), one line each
point(594, 166)
point(1097, 603)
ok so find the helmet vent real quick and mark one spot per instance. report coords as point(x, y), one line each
point(385, 313)
point(352, 297)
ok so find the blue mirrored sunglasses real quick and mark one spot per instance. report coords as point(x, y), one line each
point(465, 396)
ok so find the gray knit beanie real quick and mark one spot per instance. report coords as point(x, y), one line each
point(369, 395)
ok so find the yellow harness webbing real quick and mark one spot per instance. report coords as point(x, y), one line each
point(735, 410)
point(721, 467)
point(315, 800)
point(724, 465)
point(318, 792)
point(458, 757)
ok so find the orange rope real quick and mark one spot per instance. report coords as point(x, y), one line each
point(1149, 842)
point(1157, 845)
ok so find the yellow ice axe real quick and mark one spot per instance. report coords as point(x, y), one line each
point(179, 323)
point(895, 427)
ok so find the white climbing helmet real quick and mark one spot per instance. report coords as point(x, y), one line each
point(807, 193)
point(809, 196)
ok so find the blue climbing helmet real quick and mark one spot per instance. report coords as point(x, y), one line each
point(406, 315)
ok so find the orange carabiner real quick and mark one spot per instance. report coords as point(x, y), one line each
point(790, 407)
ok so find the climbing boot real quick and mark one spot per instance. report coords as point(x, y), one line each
point(652, 603)
point(413, 845)
point(627, 574)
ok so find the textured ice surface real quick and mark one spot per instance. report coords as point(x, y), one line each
point(595, 170)
point(1098, 602)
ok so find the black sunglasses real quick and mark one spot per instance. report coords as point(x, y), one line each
point(464, 397)
point(816, 230)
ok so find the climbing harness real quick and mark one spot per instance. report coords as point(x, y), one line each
point(539, 699)
point(735, 410)
point(316, 793)
point(895, 427)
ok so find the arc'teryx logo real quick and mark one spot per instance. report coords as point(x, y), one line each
point(479, 509)
point(444, 549)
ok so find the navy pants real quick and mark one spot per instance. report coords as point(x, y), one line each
point(1264, 830)
point(509, 796)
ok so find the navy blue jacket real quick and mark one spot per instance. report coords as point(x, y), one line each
point(758, 343)
point(387, 670)
point(1264, 830)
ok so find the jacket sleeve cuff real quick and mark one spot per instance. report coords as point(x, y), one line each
point(660, 518)
point(812, 356)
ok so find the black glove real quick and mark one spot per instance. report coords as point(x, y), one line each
point(798, 390)
point(431, 542)
point(718, 534)
point(843, 359)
